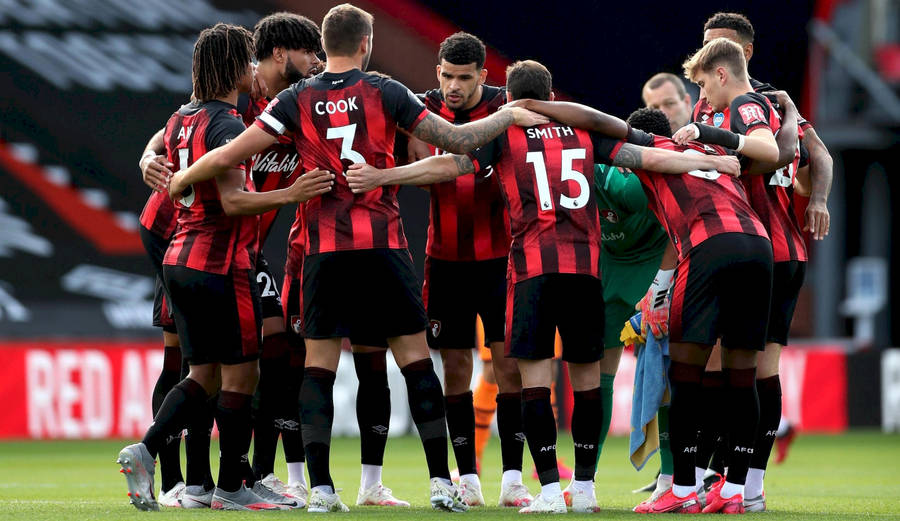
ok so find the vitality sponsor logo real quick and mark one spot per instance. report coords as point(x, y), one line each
point(274, 161)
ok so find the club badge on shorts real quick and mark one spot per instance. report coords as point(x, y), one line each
point(295, 323)
point(435, 326)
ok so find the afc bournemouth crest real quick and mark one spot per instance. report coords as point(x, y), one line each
point(435, 328)
point(718, 119)
point(295, 323)
point(609, 215)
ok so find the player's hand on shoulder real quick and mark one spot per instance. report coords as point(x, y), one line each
point(729, 165)
point(527, 118)
point(363, 178)
point(686, 133)
point(259, 89)
point(417, 149)
point(311, 184)
point(155, 170)
point(520, 103)
point(781, 97)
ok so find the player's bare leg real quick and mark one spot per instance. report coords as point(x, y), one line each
point(373, 413)
point(426, 405)
point(513, 493)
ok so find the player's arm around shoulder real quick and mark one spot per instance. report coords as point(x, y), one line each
point(671, 162)
point(461, 139)
point(238, 201)
point(222, 159)
point(436, 169)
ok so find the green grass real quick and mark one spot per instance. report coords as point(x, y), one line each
point(853, 476)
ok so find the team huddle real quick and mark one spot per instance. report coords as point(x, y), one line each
point(700, 233)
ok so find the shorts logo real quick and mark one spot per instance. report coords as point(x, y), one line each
point(295, 323)
point(609, 215)
point(718, 119)
point(435, 326)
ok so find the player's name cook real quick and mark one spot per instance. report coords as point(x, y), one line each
point(334, 107)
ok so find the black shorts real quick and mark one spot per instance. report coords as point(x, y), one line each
point(722, 290)
point(156, 247)
point(787, 279)
point(218, 316)
point(538, 306)
point(269, 297)
point(292, 303)
point(361, 294)
point(455, 292)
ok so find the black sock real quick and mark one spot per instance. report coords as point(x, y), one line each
point(426, 405)
point(742, 416)
point(461, 425)
point(316, 418)
point(291, 437)
point(174, 413)
point(373, 406)
point(273, 373)
point(170, 453)
point(711, 425)
point(540, 431)
point(769, 391)
point(718, 461)
point(587, 419)
point(512, 433)
point(233, 419)
point(196, 445)
point(684, 419)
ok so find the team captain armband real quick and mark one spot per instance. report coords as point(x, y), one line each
point(718, 136)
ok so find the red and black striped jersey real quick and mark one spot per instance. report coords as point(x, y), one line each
point(468, 220)
point(337, 120)
point(769, 194)
point(697, 205)
point(296, 246)
point(159, 215)
point(703, 113)
point(273, 168)
point(546, 173)
point(206, 239)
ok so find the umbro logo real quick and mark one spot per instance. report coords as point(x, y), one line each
point(520, 437)
point(381, 430)
point(460, 441)
point(287, 425)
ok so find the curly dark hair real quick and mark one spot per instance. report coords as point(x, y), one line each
point(286, 30)
point(528, 79)
point(222, 54)
point(650, 120)
point(736, 21)
point(462, 49)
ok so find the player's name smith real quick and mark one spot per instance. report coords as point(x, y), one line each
point(549, 132)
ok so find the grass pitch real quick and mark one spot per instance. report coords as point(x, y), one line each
point(853, 476)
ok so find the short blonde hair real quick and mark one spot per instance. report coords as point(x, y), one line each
point(720, 51)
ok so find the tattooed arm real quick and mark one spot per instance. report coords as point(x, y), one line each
point(436, 169)
point(670, 162)
point(460, 139)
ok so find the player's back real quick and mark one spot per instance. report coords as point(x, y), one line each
point(699, 204)
point(546, 173)
point(338, 119)
point(206, 238)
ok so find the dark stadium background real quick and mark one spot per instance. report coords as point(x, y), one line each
point(600, 53)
